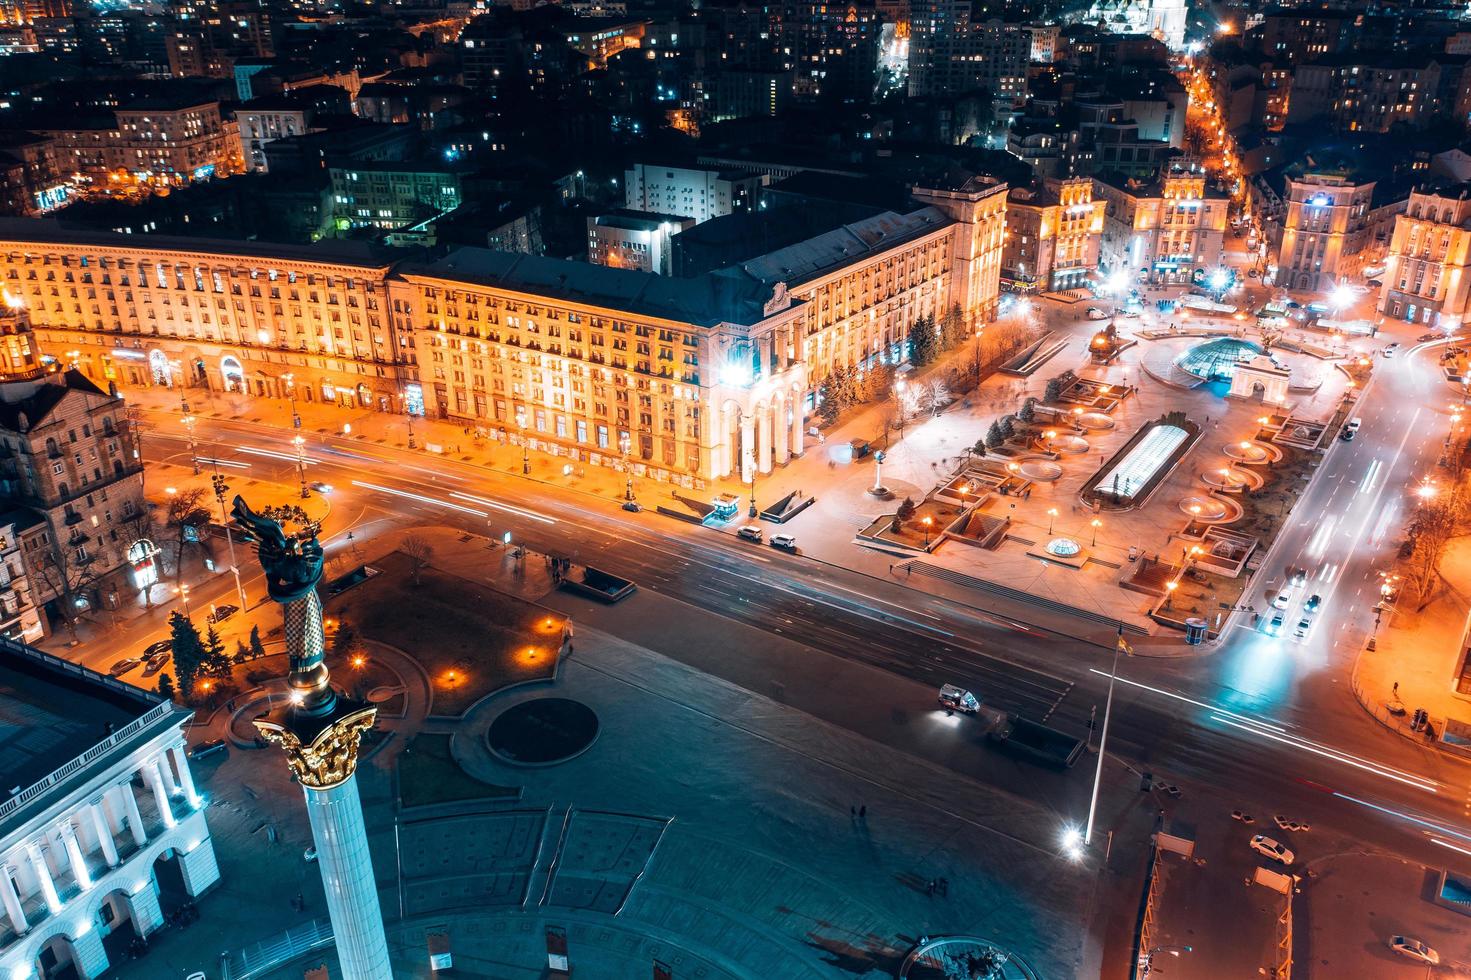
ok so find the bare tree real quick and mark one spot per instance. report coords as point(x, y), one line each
point(419, 552)
point(185, 510)
point(69, 577)
point(1437, 521)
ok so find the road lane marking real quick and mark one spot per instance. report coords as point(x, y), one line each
point(223, 462)
point(287, 457)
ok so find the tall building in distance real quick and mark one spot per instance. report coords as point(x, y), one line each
point(1162, 230)
point(1325, 227)
point(1427, 277)
point(694, 192)
point(102, 833)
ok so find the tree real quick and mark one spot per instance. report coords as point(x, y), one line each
point(1053, 390)
point(933, 396)
point(878, 382)
point(979, 448)
point(166, 686)
point(183, 513)
point(905, 513)
point(257, 648)
point(345, 642)
point(188, 651)
point(420, 553)
point(70, 575)
point(1028, 411)
point(924, 344)
point(242, 652)
point(214, 662)
point(994, 436)
point(138, 526)
point(1436, 522)
point(952, 327)
point(1008, 426)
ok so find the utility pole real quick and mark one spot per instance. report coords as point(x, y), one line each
point(221, 489)
point(189, 421)
point(1113, 674)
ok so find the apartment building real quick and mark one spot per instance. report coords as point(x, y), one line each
point(1053, 236)
point(1324, 231)
point(640, 240)
point(1427, 277)
point(696, 192)
point(154, 142)
point(1164, 229)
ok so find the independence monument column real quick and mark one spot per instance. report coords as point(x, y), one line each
point(319, 732)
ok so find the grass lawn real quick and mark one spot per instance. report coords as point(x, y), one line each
point(428, 774)
point(471, 639)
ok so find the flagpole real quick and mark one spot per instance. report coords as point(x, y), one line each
point(1103, 739)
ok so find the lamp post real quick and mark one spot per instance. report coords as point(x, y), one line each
point(927, 522)
point(183, 593)
point(624, 443)
point(752, 511)
point(979, 331)
point(1051, 516)
point(221, 488)
point(525, 446)
point(1170, 588)
point(300, 443)
point(1096, 525)
point(189, 421)
point(1113, 674)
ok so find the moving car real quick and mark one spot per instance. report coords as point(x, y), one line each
point(123, 666)
point(321, 487)
point(1389, 351)
point(959, 699)
point(1304, 626)
point(206, 749)
point(1275, 626)
point(785, 542)
point(1094, 313)
point(1414, 949)
point(1298, 576)
point(1271, 850)
point(1315, 602)
point(221, 613)
point(1350, 429)
point(1280, 600)
point(750, 532)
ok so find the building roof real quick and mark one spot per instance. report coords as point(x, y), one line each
point(706, 300)
point(53, 711)
point(631, 220)
point(816, 256)
point(44, 395)
point(48, 231)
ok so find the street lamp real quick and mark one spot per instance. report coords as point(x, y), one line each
point(300, 443)
point(927, 522)
point(1170, 588)
point(189, 421)
point(1096, 525)
point(525, 446)
point(1051, 516)
point(1113, 673)
point(221, 488)
point(182, 591)
point(624, 442)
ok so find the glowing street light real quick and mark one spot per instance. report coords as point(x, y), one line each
point(927, 522)
point(1096, 525)
point(1051, 516)
point(300, 443)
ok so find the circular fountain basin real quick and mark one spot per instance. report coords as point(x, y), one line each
point(1231, 481)
point(1202, 508)
point(1250, 453)
point(1095, 420)
point(1070, 444)
point(1041, 471)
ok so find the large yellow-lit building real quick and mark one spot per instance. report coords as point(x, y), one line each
point(692, 379)
point(1053, 234)
point(1427, 277)
point(1163, 230)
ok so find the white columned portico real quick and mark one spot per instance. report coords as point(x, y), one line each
point(104, 833)
point(160, 795)
point(11, 896)
point(763, 439)
point(779, 429)
point(794, 446)
point(74, 857)
point(130, 808)
point(748, 448)
point(186, 778)
point(170, 785)
point(43, 878)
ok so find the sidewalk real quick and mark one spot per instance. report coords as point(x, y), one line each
point(1418, 655)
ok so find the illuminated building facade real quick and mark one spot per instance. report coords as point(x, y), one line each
point(105, 831)
point(152, 143)
point(1053, 234)
point(1427, 278)
point(1325, 231)
point(1162, 230)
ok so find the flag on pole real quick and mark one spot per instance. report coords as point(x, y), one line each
point(1123, 647)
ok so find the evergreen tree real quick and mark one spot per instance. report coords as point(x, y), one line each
point(1008, 427)
point(952, 327)
point(188, 651)
point(257, 648)
point(994, 436)
point(166, 686)
point(905, 513)
point(242, 652)
point(828, 408)
point(924, 345)
point(878, 382)
point(1053, 391)
point(1028, 411)
point(979, 448)
point(215, 662)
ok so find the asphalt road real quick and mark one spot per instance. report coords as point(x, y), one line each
point(1191, 722)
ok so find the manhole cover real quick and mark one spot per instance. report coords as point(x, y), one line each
point(542, 731)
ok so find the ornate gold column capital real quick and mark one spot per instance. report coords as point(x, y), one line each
point(330, 757)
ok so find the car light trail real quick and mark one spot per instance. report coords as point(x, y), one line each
point(286, 457)
point(1319, 542)
point(1448, 844)
point(529, 514)
point(419, 497)
point(1370, 477)
point(223, 462)
point(1404, 816)
point(1418, 782)
point(1278, 734)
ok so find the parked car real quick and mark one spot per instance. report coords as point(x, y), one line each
point(206, 749)
point(1271, 850)
point(309, 855)
point(959, 699)
point(1350, 429)
point(1389, 351)
point(750, 532)
point(1094, 313)
point(157, 662)
point(123, 666)
point(1425, 338)
point(221, 613)
point(1414, 949)
point(786, 542)
point(1374, 284)
point(154, 649)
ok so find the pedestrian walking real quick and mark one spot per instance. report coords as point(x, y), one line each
point(908, 570)
point(1395, 690)
point(944, 885)
point(852, 812)
point(929, 888)
point(863, 812)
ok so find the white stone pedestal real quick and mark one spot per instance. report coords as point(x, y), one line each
point(336, 816)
